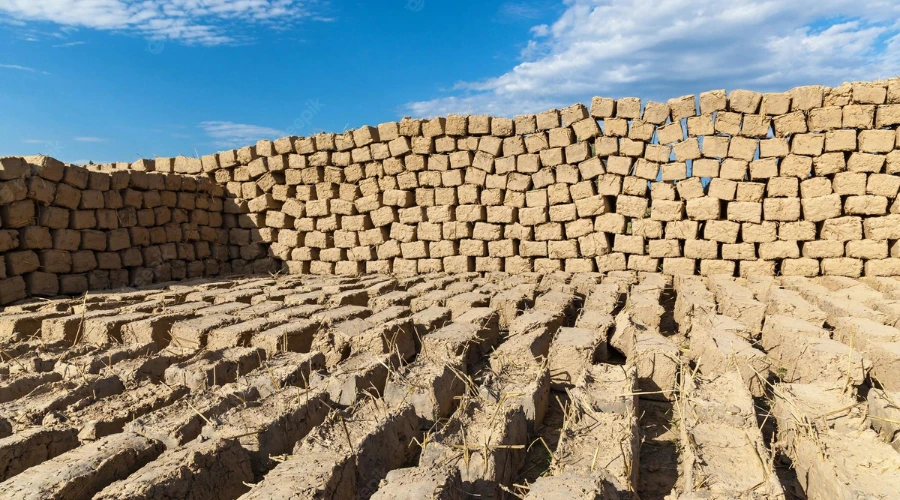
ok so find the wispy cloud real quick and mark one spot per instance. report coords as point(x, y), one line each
point(90, 139)
point(524, 10)
point(35, 141)
point(20, 68)
point(23, 68)
point(629, 48)
point(203, 22)
point(230, 134)
point(69, 44)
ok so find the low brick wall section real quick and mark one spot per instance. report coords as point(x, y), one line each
point(796, 183)
point(68, 229)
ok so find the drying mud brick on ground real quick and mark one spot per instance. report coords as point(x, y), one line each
point(697, 298)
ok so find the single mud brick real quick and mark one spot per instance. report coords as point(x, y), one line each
point(559, 487)
point(380, 336)
point(239, 334)
point(354, 378)
point(603, 427)
point(520, 384)
point(429, 320)
point(720, 351)
point(273, 426)
point(508, 304)
point(487, 321)
point(207, 469)
point(182, 421)
point(526, 349)
point(342, 313)
point(557, 301)
point(107, 329)
point(836, 307)
point(693, 302)
point(68, 328)
point(878, 343)
point(643, 305)
point(573, 350)
point(294, 336)
point(285, 369)
point(16, 327)
point(715, 419)
point(738, 302)
point(109, 416)
point(12, 289)
point(15, 388)
point(242, 296)
point(790, 303)
point(380, 444)
point(380, 302)
point(657, 361)
point(84, 471)
point(430, 299)
point(211, 368)
point(846, 471)
point(153, 329)
point(603, 298)
point(95, 362)
point(459, 304)
point(803, 353)
point(420, 482)
point(885, 413)
point(432, 388)
point(494, 445)
point(192, 333)
point(322, 474)
point(455, 340)
point(33, 446)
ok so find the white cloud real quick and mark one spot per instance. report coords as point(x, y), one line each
point(17, 67)
point(665, 49)
point(90, 139)
point(231, 135)
point(69, 44)
point(205, 22)
point(23, 68)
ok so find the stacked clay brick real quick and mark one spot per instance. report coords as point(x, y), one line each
point(796, 183)
point(68, 229)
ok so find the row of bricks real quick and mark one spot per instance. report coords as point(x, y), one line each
point(347, 199)
point(48, 284)
point(863, 113)
point(828, 151)
point(597, 245)
point(803, 266)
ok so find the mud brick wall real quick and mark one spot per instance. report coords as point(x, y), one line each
point(743, 183)
point(796, 183)
point(69, 229)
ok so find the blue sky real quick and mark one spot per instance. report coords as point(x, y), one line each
point(114, 80)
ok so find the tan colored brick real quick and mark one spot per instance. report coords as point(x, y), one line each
point(797, 231)
point(758, 233)
point(706, 208)
point(849, 183)
point(722, 231)
point(842, 229)
point(712, 101)
point(741, 211)
point(865, 205)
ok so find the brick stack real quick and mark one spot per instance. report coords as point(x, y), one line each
point(69, 229)
point(796, 183)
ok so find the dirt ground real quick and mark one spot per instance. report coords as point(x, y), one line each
point(618, 385)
